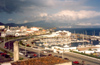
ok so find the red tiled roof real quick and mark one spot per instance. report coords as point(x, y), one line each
point(49, 60)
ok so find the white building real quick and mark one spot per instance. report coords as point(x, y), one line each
point(3, 34)
point(2, 26)
point(20, 34)
point(65, 33)
point(62, 49)
point(23, 28)
point(34, 29)
point(59, 33)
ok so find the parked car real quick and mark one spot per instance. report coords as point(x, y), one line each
point(49, 54)
point(55, 56)
point(3, 54)
point(66, 58)
point(7, 56)
point(30, 56)
point(44, 51)
point(35, 54)
point(76, 62)
point(26, 55)
point(35, 47)
point(60, 56)
point(21, 53)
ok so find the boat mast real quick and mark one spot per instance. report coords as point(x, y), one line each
point(83, 36)
point(94, 32)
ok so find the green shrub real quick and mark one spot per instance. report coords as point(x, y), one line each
point(20, 58)
point(86, 54)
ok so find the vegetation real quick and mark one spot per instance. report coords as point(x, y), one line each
point(11, 54)
point(90, 49)
point(21, 43)
point(86, 54)
point(21, 58)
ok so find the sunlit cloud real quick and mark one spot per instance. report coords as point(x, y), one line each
point(71, 15)
point(43, 14)
point(89, 24)
point(10, 19)
point(59, 11)
point(26, 21)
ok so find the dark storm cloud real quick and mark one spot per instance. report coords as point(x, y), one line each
point(11, 6)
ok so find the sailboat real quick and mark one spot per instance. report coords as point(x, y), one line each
point(98, 45)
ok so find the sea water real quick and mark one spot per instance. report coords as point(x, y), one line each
point(88, 31)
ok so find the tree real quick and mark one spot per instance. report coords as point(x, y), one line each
point(90, 49)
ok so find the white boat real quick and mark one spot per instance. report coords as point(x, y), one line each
point(66, 46)
point(98, 45)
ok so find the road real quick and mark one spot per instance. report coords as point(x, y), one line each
point(80, 58)
point(72, 56)
point(69, 55)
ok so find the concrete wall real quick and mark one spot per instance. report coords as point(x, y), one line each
point(16, 51)
point(6, 63)
point(67, 63)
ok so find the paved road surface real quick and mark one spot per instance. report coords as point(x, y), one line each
point(80, 58)
point(74, 57)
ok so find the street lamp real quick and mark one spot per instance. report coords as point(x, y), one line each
point(25, 45)
point(25, 48)
point(63, 54)
point(4, 35)
point(39, 52)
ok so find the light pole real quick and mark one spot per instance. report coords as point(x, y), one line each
point(25, 48)
point(4, 42)
point(25, 45)
point(63, 54)
point(4, 35)
point(39, 52)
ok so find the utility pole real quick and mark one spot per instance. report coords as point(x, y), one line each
point(63, 54)
point(4, 39)
point(39, 52)
point(94, 32)
point(25, 48)
point(4, 42)
point(24, 41)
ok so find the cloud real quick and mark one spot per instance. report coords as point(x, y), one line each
point(10, 19)
point(26, 21)
point(11, 6)
point(43, 14)
point(64, 11)
point(65, 16)
point(84, 24)
point(89, 24)
point(69, 15)
point(74, 15)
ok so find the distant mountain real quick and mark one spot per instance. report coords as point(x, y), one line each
point(30, 24)
point(11, 24)
point(1, 23)
point(48, 25)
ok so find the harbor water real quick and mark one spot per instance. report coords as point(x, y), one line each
point(88, 31)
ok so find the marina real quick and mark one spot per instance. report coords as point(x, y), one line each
point(64, 43)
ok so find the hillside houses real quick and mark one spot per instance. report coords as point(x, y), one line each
point(22, 31)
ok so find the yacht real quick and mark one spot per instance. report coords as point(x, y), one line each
point(98, 45)
point(66, 46)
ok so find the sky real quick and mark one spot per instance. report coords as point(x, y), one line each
point(73, 12)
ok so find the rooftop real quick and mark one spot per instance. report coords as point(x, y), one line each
point(48, 60)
